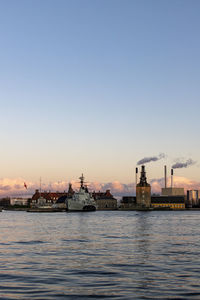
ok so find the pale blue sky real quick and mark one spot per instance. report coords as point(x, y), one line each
point(94, 86)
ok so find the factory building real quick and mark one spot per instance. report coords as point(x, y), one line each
point(143, 191)
point(193, 199)
point(171, 191)
point(171, 197)
point(168, 202)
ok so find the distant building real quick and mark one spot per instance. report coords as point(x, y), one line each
point(168, 202)
point(44, 198)
point(143, 191)
point(128, 203)
point(5, 202)
point(157, 202)
point(172, 191)
point(193, 198)
point(19, 201)
point(48, 198)
point(105, 201)
point(171, 197)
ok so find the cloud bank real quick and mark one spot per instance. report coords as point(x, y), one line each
point(15, 187)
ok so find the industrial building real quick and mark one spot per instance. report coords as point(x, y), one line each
point(193, 199)
point(171, 191)
point(168, 202)
point(171, 197)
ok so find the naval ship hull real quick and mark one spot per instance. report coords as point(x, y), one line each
point(74, 206)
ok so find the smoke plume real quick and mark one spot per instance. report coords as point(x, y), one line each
point(186, 164)
point(149, 159)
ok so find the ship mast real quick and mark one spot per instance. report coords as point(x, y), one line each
point(82, 180)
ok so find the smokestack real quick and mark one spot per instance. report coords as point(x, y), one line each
point(172, 173)
point(165, 170)
point(136, 175)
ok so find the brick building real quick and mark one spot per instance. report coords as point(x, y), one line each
point(48, 198)
point(105, 201)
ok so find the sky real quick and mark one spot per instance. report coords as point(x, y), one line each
point(94, 86)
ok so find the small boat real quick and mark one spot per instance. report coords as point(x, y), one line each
point(81, 200)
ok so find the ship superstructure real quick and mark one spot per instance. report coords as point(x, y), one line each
point(81, 200)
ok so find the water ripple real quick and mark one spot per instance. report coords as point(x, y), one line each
point(117, 255)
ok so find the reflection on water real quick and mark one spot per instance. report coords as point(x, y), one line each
point(120, 255)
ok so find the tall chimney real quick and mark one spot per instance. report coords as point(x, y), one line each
point(172, 173)
point(165, 168)
point(136, 175)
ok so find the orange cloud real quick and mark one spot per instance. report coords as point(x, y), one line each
point(12, 186)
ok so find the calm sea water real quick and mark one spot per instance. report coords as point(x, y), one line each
point(117, 255)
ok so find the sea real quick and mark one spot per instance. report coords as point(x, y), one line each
point(102, 254)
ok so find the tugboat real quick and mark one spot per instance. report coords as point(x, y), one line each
point(81, 200)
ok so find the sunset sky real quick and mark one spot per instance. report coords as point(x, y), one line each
point(89, 86)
